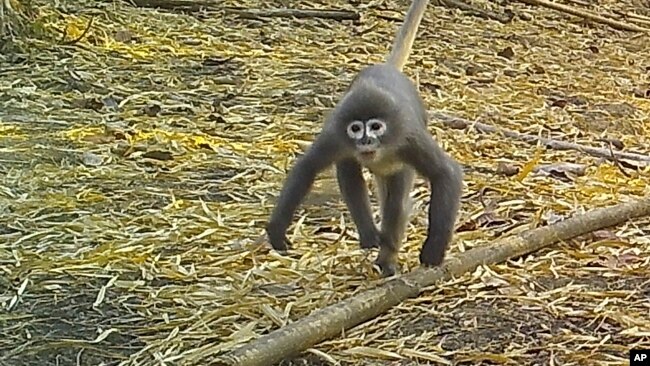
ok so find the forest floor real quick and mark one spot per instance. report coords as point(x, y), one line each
point(140, 163)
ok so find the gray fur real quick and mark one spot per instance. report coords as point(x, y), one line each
point(322, 153)
point(395, 207)
point(355, 194)
point(380, 92)
point(403, 42)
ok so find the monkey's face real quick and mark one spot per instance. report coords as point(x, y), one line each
point(367, 137)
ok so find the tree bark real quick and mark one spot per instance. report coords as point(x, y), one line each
point(332, 320)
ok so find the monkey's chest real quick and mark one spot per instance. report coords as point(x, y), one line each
point(384, 166)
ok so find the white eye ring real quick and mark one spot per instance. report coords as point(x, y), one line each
point(375, 127)
point(355, 130)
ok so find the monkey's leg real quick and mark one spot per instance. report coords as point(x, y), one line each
point(299, 181)
point(446, 181)
point(395, 213)
point(446, 189)
point(355, 194)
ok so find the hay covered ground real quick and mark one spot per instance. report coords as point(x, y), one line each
point(140, 163)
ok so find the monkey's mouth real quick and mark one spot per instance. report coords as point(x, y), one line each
point(368, 154)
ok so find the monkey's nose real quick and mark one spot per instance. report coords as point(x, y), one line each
point(369, 141)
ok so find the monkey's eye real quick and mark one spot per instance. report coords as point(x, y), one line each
point(355, 130)
point(376, 127)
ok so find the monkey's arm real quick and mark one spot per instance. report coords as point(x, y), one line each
point(320, 155)
point(355, 194)
point(446, 181)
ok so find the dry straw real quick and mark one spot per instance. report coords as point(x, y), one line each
point(139, 161)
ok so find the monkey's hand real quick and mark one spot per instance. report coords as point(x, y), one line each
point(386, 269)
point(369, 238)
point(433, 253)
point(387, 256)
point(278, 239)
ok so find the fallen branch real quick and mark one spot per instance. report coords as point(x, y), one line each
point(631, 17)
point(586, 15)
point(197, 5)
point(297, 13)
point(331, 321)
point(461, 123)
point(475, 11)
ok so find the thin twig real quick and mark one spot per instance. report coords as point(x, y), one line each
point(616, 161)
point(476, 11)
point(83, 34)
point(197, 5)
point(294, 13)
point(587, 15)
point(461, 123)
point(616, 14)
point(632, 17)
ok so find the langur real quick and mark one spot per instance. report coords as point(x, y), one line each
point(380, 123)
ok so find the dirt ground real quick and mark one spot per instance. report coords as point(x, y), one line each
point(140, 162)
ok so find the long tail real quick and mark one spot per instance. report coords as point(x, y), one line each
point(406, 34)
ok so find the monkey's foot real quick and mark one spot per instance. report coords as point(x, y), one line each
point(368, 244)
point(431, 255)
point(369, 241)
point(386, 269)
point(279, 242)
